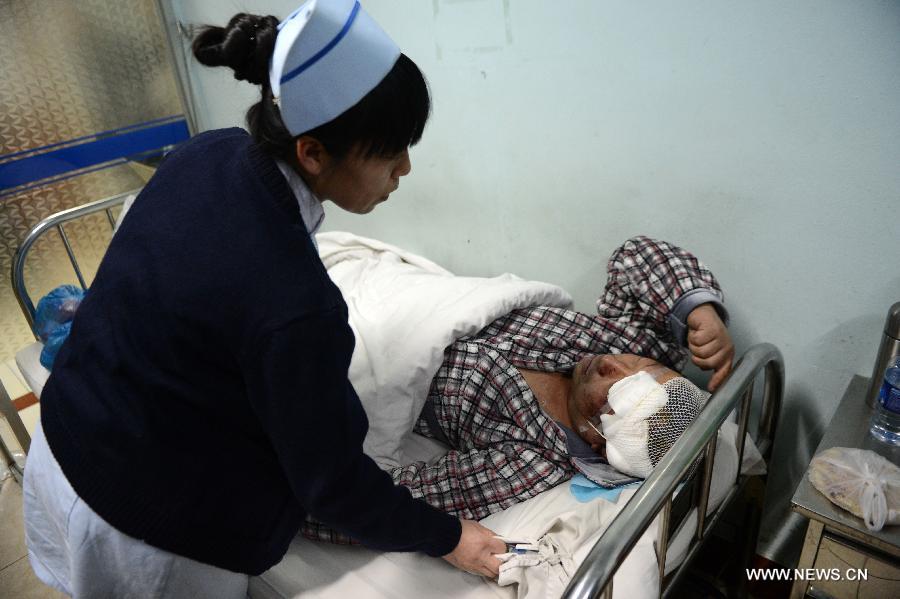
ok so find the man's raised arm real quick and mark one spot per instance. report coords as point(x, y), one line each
point(659, 286)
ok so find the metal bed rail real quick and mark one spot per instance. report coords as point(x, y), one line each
point(655, 496)
point(56, 221)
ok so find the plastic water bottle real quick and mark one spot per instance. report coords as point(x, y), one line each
point(886, 420)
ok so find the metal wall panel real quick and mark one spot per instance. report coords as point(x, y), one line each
point(69, 70)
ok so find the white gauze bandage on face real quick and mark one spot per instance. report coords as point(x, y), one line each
point(648, 418)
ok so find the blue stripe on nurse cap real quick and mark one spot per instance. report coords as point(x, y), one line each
point(328, 55)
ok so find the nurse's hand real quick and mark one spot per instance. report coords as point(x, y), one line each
point(710, 343)
point(476, 550)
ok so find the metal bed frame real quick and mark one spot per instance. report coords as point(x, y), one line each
point(56, 221)
point(654, 497)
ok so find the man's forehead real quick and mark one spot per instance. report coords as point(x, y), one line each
point(659, 372)
point(636, 360)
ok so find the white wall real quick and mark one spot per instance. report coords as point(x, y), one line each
point(764, 136)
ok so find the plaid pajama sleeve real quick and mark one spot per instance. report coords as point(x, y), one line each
point(468, 484)
point(646, 278)
point(476, 483)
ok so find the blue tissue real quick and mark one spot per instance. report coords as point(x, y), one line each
point(584, 489)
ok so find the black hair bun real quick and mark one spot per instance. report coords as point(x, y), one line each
point(245, 45)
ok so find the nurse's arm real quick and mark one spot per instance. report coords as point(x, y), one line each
point(296, 378)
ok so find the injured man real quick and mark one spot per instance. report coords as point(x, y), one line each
point(544, 393)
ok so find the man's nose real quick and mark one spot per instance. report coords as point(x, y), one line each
point(612, 366)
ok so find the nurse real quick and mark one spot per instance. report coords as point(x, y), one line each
point(200, 409)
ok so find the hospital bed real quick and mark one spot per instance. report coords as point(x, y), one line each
point(643, 541)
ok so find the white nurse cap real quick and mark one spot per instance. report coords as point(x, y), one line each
point(328, 55)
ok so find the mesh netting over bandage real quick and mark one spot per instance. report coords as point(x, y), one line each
point(647, 419)
point(683, 405)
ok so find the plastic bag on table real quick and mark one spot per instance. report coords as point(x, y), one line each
point(860, 481)
point(53, 319)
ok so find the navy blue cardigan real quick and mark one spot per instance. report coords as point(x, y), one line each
point(201, 402)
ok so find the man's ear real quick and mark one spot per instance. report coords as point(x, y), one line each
point(312, 155)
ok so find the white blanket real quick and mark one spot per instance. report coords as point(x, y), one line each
point(565, 531)
point(404, 311)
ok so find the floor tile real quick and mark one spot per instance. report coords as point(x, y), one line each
point(12, 533)
point(18, 580)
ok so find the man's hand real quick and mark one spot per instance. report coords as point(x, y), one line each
point(476, 550)
point(710, 344)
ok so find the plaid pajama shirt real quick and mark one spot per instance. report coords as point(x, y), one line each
point(506, 449)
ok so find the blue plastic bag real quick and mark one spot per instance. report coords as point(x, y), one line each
point(53, 319)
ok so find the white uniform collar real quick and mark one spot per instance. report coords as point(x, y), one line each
point(310, 207)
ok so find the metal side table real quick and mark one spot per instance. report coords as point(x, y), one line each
point(836, 540)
